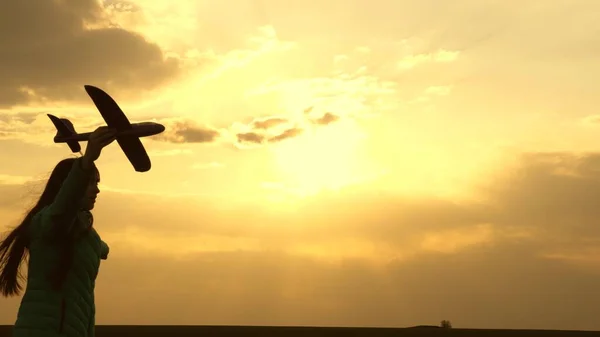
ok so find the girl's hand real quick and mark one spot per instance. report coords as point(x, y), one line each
point(100, 138)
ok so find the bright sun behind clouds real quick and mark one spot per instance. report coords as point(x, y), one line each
point(323, 158)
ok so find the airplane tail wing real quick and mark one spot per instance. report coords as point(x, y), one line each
point(65, 129)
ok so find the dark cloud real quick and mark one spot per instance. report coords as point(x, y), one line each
point(250, 137)
point(268, 123)
point(289, 133)
point(197, 135)
point(49, 54)
point(492, 288)
point(555, 192)
point(495, 287)
point(326, 119)
point(187, 132)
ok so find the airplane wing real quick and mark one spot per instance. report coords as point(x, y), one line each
point(115, 118)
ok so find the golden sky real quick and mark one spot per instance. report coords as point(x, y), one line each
point(349, 163)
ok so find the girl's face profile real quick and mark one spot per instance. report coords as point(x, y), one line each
point(89, 199)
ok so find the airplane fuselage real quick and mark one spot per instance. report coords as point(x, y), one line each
point(143, 129)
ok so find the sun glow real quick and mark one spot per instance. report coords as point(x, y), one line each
point(322, 158)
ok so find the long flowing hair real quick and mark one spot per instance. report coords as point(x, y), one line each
point(14, 248)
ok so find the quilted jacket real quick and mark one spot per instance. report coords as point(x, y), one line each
point(69, 311)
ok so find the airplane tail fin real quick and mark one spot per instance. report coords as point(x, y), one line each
point(64, 128)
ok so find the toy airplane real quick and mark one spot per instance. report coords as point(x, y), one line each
point(128, 134)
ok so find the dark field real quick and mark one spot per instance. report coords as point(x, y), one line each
point(266, 331)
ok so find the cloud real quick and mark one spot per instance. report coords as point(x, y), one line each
point(18, 117)
point(441, 56)
point(493, 288)
point(353, 90)
point(54, 58)
point(26, 125)
point(187, 132)
point(468, 288)
point(277, 129)
point(250, 137)
point(268, 123)
point(326, 119)
point(553, 193)
point(272, 129)
point(267, 130)
point(122, 6)
point(197, 135)
point(265, 138)
point(16, 121)
point(289, 133)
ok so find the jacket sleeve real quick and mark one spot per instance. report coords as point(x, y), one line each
point(66, 202)
point(104, 250)
point(92, 327)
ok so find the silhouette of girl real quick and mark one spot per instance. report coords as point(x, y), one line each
point(64, 250)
